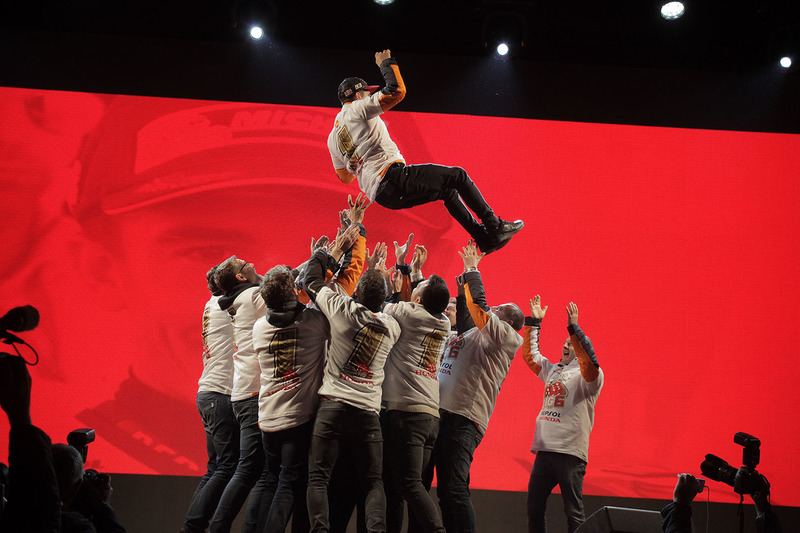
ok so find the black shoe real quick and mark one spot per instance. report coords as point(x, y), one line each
point(495, 243)
point(508, 227)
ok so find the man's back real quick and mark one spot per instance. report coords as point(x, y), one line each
point(412, 368)
point(360, 343)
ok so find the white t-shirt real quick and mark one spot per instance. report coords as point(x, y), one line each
point(291, 359)
point(360, 143)
point(360, 342)
point(218, 349)
point(567, 415)
point(412, 379)
point(473, 368)
point(246, 309)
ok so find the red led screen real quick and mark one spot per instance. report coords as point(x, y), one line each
point(680, 248)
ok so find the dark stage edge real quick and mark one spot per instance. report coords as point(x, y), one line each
point(148, 504)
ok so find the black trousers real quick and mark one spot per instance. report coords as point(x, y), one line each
point(405, 186)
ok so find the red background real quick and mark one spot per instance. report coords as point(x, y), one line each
point(680, 248)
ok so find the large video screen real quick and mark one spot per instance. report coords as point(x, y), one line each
point(680, 248)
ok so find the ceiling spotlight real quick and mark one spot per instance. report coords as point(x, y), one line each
point(384, 2)
point(256, 33)
point(786, 62)
point(502, 49)
point(672, 10)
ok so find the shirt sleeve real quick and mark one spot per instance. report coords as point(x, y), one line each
point(540, 365)
point(590, 368)
point(348, 278)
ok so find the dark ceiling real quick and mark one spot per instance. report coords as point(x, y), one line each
point(713, 34)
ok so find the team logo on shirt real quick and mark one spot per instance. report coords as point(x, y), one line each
point(555, 394)
point(433, 344)
point(283, 349)
point(368, 340)
point(348, 149)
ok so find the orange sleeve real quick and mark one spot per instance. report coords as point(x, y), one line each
point(358, 259)
point(388, 101)
point(526, 351)
point(588, 370)
point(302, 295)
point(344, 175)
point(479, 316)
point(405, 290)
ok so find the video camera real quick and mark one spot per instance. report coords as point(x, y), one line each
point(745, 479)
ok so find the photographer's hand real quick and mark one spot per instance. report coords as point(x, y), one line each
point(15, 390)
point(685, 489)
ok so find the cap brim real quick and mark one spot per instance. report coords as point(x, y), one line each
point(372, 88)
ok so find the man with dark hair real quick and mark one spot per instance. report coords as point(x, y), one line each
point(214, 405)
point(361, 338)
point(411, 399)
point(475, 364)
point(561, 441)
point(290, 343)
point(244, 304)
point(361, 148)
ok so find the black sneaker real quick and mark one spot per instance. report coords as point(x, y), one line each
point(494, 243)
point(506, 227)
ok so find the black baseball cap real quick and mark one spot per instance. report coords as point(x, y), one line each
point(349, 86)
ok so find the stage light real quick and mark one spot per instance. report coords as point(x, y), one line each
point(502, 49)
point(672, 10)
point(256, 33)
point(785, 62)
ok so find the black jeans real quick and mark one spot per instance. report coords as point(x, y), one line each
point(405, 186)
point(455, 446)
point(551, 469)
point(222, 442)
point(251, 477)
point(287, 461)
point(341, 426)
point(410, 438)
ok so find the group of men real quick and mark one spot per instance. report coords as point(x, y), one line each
point(312, 374)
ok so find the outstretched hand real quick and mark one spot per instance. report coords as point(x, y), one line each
point(537, 311)
point(344, 242)
point(322, 242)
point(470, 255)
point(400, 252)
point(357, 208)
point(685, 489)
point(572, 313)
point(379, 255)
point(420, 256)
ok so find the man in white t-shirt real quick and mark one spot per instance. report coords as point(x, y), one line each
point(475, 364)
point(214, 404)
point(561, 440)
point(361, 149)
point(347, 419)
point(245, 305)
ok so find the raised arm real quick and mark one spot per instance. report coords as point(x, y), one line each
point(395, 89)
point(584, 350)
point(314, 275)
point(473, 290)
point(400, 253)
point(355, 258)
point(530, 335)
